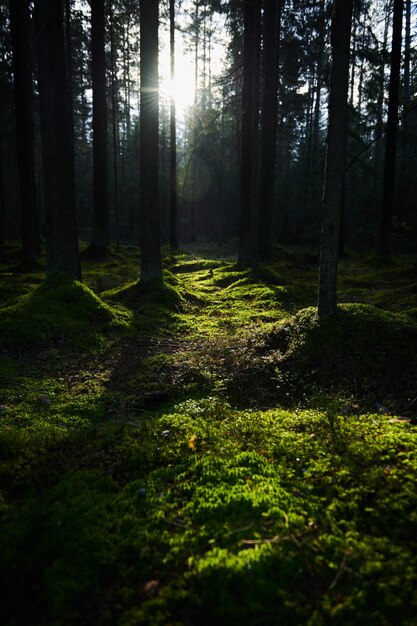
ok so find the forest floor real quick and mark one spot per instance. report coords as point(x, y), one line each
point(206, 452)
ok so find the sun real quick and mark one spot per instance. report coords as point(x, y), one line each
point(182, 87)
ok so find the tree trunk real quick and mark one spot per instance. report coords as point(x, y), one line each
point(149, 161)
point(385, 226)
point(22, 75)
point(335, 158)
point(193, 164)
point(407, 55)
point(254, 261)
point(115, 137)
point(2, 211)
point(380, 100)
point(100, 234)
point(57, 140)
point(272, 19)
point(68, 51)
point(247, 131)
point(173, 137)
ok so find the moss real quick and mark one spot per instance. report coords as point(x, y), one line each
point(361, 349)
point(212, 515)
point(133, 490)
point(60, 309)
point(138, 295)
point(9, 369)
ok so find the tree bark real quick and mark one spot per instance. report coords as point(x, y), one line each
point(151, 269)
point(335, 158)
point(407, 59)
point(272, 20)
point(57, 140)
point(173, 137)
point(68, 50)
point(385, 226)
point(100, 234)
point(245, 256)
point(2, 211)
point(115, 137)
point(23, 92)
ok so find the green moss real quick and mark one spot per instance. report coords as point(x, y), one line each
point(119, 267)
point(134, 492)
point(360, 349)
point(9, 369)
point(60, 309)
point(215, 515)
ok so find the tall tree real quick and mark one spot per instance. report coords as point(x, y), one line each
point(385, 226)
point(173, 136)
point(57, 140)
point(271, 31)
point(249, 114)
point(407, 62)
point(22, 76)
point(68, 49)
point(2, 211)
point(115, 137)
point(151, 268)
point(335, 157)
point(100, 233)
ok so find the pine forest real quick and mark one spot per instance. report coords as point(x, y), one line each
point(208, 312)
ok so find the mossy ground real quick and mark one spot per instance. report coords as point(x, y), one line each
point(206, 452)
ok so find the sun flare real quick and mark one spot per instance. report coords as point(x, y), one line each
point(182, 87)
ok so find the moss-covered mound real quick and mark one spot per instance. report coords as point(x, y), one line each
point(138, 295)
point(60, 309)
point(361, 350)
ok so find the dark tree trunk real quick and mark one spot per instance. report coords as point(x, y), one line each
point(68, 47)
point(407, 59)
point(57, 140)
point(272, 19)
point(254, 261)
point(195, 138)
point(385, 226)
point(2, 211)
point(115, 137)
point(380, 102)
point(245, 257)
point(22, 74)
point(100, 234)
point(335, 158)
point(148, 155)
point(173, 137)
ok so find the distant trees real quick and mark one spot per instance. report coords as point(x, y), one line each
point(57, 140)
point(245, 160)
point(23, 96)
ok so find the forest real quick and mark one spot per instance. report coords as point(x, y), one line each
point(208, 312)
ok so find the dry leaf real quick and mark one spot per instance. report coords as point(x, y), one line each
point(192, 442)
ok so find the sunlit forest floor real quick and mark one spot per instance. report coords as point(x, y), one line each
point(207, 452)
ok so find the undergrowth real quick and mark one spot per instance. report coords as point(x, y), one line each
point(205, 452)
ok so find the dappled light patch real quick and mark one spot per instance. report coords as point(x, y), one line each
point(260, 516)
point(137, 294)
point(224, 461)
